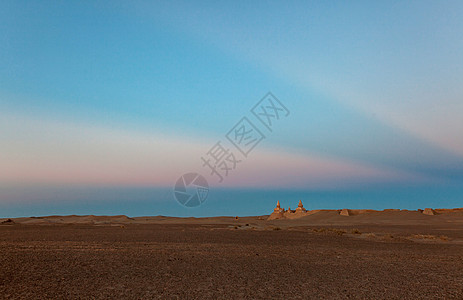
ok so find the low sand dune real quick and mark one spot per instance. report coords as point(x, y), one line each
point(390, 217)
point(73, 219)
point(315, 217)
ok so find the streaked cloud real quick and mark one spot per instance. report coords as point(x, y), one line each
point(388, 61)
point(40, 151)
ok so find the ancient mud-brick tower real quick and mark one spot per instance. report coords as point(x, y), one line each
point(300, 208)
point(278, 212)
point(278, 208)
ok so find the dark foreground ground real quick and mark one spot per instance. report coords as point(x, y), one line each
point(221, 262)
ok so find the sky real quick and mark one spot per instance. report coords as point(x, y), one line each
point(104, 105)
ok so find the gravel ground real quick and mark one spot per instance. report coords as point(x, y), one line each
point(221, 262)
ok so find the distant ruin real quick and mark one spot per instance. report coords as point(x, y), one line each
point(281, 213)
point(300, 211)
point(429, 211)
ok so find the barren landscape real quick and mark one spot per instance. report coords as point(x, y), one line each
point(166, 149)
point(388, 254)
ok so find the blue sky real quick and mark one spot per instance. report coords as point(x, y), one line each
point(132, 94)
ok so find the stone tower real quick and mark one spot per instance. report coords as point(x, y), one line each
point(278, 213)
point(278, 208)
point(300, 207)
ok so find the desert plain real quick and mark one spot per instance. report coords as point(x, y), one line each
point(391, 254)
